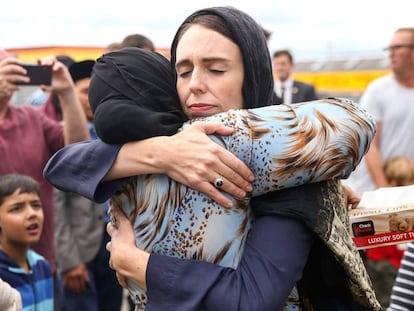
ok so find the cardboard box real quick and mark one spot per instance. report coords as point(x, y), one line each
point(383, 217)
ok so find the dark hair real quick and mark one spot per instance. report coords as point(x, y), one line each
point(283, 52)
point(81, 70)
point(9, 183)
point(138, 41)
point(248, 35)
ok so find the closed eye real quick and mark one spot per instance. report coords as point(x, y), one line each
point(184, 74)
point(217, 71)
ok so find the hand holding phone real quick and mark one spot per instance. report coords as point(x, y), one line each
point(38, 74)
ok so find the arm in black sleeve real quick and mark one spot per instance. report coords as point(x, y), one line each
point(274, 256)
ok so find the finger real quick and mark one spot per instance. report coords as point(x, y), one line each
point(72, 285)
point(110, 228)
point(118, 217)
point(229, 187)
point(214, 128)
point(14, 79)
point(79, 285)
point(215, 194)
point(86, 278)
point(236, 170)
point(233, 169)
point(108, 246)
point(122, 280)
point(231, 160)
point(233, 183)
point(47, 61)
point(354, 203)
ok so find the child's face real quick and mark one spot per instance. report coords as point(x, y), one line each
point(21, 219)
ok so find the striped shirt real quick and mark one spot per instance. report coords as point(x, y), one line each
point(35, 286)
point(402, 297)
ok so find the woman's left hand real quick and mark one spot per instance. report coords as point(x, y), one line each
point(126, 259)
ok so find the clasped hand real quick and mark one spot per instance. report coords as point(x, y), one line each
point(192, 158)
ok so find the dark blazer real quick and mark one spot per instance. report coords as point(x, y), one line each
point(302, 92)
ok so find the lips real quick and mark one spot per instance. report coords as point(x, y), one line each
point(201, 110)
point(201, 106)
point(33, 228)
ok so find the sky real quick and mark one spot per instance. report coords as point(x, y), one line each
point(311, 29)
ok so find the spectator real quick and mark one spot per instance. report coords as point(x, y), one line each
point(112, 47)
point(21, 224)
point(383, 262)
point(390, 100)
point(287, 89)
point(138, 41)
point(28, 138)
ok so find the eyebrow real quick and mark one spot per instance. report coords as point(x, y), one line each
point(207, 60)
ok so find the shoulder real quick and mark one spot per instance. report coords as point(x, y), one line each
point(377, 89)
point(302, 84)
point(381, 82)
point(35, 259)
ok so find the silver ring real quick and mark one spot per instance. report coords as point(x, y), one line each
point(218, 182)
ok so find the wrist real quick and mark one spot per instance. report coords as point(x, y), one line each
point(65, 92)
point(135, 266)
point(161, 148)
point(139, 158)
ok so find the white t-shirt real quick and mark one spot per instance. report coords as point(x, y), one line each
point(392, 105)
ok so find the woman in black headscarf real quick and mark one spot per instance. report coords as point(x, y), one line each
point(130, 101)
point(235, 21)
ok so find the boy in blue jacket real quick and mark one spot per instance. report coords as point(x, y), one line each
point(21, 223)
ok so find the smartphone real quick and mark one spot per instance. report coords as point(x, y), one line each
point(38, 74)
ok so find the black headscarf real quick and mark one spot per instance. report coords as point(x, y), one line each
point(133, 96)
point(245, 32)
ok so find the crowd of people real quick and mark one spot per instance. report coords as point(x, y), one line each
point(390, 100)
point(163, 177)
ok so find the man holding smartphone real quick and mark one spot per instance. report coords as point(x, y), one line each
point(28, 138)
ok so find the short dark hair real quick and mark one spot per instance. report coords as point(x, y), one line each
point(9, 183)
point(138, 41)
point(283, 52)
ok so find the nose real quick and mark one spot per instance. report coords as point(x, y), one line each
point(32, 212)
point(197, 81)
